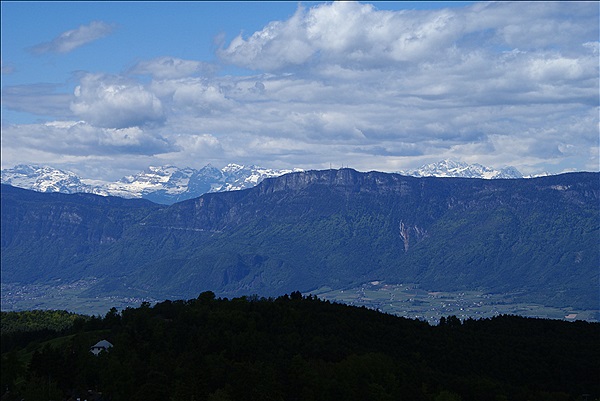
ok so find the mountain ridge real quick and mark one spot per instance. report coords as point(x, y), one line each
point(335, 228)
point(169, 184)
point(452, 168)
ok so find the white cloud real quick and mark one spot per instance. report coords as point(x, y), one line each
point(72, 39)
point(108, 101)
point(197, 148)
point(277, 45)
point(344, 83)
point(354, 36)
point(345, 33)
point(555, 68)
point(200, 97)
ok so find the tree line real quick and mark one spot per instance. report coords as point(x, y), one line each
point(298, 347)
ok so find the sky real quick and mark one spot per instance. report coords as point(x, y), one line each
point(106, 89)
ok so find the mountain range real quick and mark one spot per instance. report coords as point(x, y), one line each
point(452, 168)
point(534, 238)
point(169, 184)
point(164, 184)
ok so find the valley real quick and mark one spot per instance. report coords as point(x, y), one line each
point(411, 301)
point(405, 300)
point(69, 297)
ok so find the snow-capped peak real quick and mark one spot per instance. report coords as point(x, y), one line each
point(162, 184)
point(44, 179)
point(169, 184)
point(240, 177)
point(232, 168)
point(452, 168)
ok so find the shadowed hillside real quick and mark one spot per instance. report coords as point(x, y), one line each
point(301, 348)
point(337, 228)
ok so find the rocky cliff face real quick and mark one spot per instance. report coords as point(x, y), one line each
point(343, 180)
point(292, 193)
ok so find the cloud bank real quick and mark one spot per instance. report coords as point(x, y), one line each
point(107, 101)
point(344, 83)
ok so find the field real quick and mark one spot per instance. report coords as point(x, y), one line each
point(68, 297)
point(410, 301)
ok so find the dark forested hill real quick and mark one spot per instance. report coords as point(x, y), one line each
point(295, 348)
point(337, 228)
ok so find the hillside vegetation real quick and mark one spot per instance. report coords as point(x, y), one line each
point(537, 238)
point(301, 348)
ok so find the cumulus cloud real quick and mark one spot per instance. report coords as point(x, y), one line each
point(436, 82)
point(345, 83)
point(202, 97)
point(193, 149)
point(347, 34)
point(72, 39)
point(108, 101)
point(358, 36)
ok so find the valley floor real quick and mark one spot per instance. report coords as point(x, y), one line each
point(411, 301)
point(16, 297)
point(406, 300)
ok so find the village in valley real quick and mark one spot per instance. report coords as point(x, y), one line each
point(64, 296)
point(411, 301)
point(407, 300)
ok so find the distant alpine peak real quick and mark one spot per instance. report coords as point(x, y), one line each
point(233, 168)
point(157, 174)
point(169, 184)
point(453, 168)
point(162, 184)
point(238, 177)
point(44, 179)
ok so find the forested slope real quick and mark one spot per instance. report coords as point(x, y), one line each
point(301, 348)
point(338, 228)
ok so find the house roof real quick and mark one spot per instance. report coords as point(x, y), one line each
point(102, 344)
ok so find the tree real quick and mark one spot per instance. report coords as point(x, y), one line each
point(206, 297)
point(450, 321)
point(112, 318)
point(446, 395)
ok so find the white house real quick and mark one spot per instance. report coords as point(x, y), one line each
point(100, 346)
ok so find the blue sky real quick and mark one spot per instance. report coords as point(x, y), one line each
point(107, 88)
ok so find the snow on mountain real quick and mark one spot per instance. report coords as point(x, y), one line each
point(451, 168)
point(44, 179)
point(162, 184)
point(169, 184)
point(241, 177)
point(170, 179)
